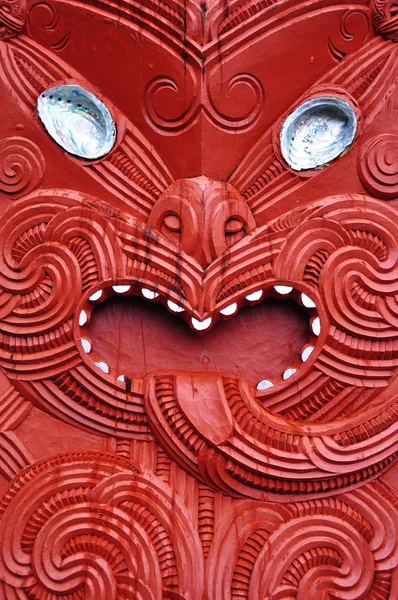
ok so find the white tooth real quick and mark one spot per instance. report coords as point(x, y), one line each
point(229, 310)
point(149, 294)
point(121, 378)
point(86, 345)
point(264, 384)
point(254, 297)
point(307, 302)
point(288, 373)
point(316, 326)
point(306, 353)
point(174, 307)
point(283, 289)
point(103, 366)
point(121, 289)
point(82, 318)
point(201, 325)
point(95, 296)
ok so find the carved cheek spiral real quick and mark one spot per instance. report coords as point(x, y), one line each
point(81, 546)
point(358, 286)
point(345, 562)
point(338, 548)
point(88, 525)
point(378, 166)
point(21, 166)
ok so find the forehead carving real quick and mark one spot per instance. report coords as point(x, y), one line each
point(199, 306)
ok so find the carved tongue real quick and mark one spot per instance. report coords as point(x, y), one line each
point(201, 398)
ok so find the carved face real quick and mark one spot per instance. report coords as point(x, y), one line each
point(232, 183)
point(201, 175)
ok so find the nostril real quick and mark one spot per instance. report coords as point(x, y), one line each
point(234, 231)
point(233, 226)
point(172, 222)
point(170, 227)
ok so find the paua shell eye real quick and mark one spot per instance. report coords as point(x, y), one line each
point(317, 132)
point(78, 121)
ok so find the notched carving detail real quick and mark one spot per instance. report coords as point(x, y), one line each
point(280, 550)
point(136, 539)
point(385, 18)
point(215, 486)
point(12, 18)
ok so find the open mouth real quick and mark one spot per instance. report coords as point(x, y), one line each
point(264, 337)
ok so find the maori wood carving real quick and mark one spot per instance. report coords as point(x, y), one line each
point(199, 342)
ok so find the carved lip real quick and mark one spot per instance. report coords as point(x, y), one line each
point(200, 325)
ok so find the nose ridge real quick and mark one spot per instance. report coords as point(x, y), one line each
point(199, 215)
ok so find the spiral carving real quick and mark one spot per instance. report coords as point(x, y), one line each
point(357, 282)
point(354, 28)
point(44, 22)
point(172, 123)
point(240, 85)
point(199, 484)
point(21, 166)
point(49, 244)
point(89, 525)
point(378, 166)
point(312, 550)
point(157, 90)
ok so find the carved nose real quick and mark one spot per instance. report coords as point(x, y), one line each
point(202, 216)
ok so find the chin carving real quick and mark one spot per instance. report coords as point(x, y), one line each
point(199, 326)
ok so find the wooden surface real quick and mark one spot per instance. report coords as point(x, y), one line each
point(154, 466)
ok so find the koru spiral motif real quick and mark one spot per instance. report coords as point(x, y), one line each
point(199, 305)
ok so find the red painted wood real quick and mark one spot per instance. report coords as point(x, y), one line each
point(139, 457)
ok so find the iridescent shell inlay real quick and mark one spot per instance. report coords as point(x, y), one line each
point(317, 132)
point(77, 120)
